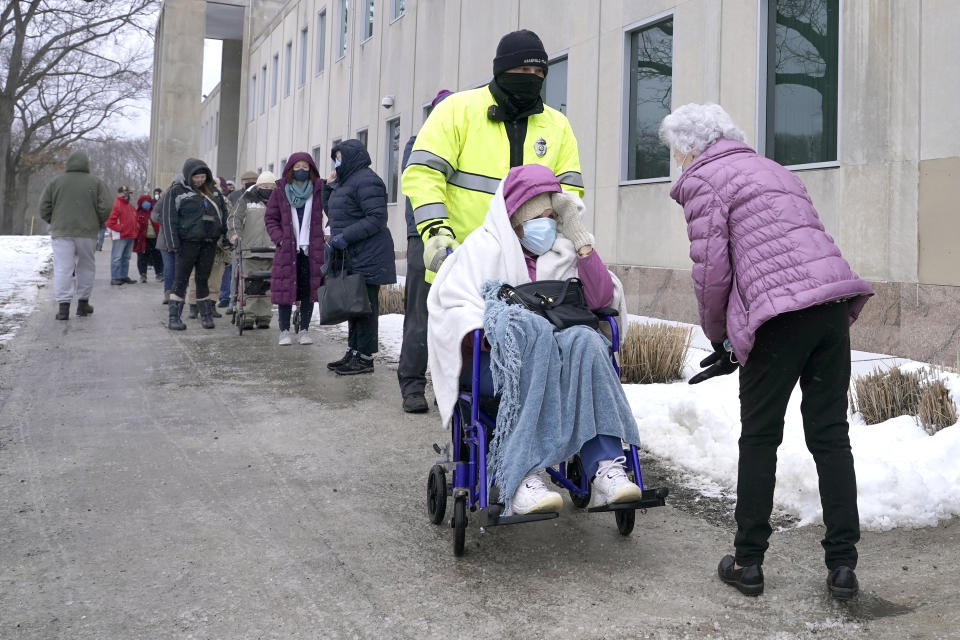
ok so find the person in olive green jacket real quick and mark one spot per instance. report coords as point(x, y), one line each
point(75, 204)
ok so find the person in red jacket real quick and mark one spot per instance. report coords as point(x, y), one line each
point(145, 244)
point(123, 231)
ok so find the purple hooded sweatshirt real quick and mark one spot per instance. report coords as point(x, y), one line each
point(279, 222)
point(757, 245)
point(527, 181)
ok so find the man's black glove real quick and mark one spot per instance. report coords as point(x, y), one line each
point(719, 363)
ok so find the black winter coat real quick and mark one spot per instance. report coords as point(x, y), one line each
point(356, 206)
point(189, 215)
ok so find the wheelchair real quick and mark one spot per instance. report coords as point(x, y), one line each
point(465, 457)
point(247, 286)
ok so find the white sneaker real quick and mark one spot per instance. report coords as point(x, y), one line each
point(532, 496)
point(305, 338)
point(284, 338)
point(611, 484)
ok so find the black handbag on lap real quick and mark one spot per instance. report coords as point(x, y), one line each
point(562, 302)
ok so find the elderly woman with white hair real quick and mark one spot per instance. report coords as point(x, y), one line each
point(776, 299)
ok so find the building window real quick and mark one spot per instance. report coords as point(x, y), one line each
point(302, 71)
point(554, 92)
point(263, 89)
point(397, 8)
point(427, 108)
point(342, 32)
point(802, 81)
point(275, 82)
point(253, 96)
point(650, 77)
point(287, 63)
point(216, 129)
point(362, 137)
point(317, 153)
point(393, 158)
point(321, 41)
point(270, 167)
point(368, 20)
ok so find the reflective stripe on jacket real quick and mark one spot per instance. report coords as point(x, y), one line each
point(460, 156)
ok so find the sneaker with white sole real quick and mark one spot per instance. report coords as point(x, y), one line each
point(284, 338)
point(611, 485)
point(532, 496)
point(304, 337)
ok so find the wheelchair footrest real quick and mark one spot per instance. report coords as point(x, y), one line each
point(493, 517)
point(651, 498)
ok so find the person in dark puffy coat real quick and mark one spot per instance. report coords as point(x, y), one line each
point(776, 299)
point(294, 221)
point(194, 221)
point(361, 243)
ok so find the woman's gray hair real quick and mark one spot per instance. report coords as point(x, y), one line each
point(694, 127)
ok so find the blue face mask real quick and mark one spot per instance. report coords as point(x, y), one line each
point(539, 235)
point(301, 175)
point(336, 163)
point(146, 205)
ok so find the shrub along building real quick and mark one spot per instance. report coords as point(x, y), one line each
point(854, 95)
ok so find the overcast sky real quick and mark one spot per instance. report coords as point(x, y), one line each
point(135, 123)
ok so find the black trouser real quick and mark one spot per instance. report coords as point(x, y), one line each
point(196, 256)
point(284, 311)
point(363, 331)
point(150, 257)
point(813, 346)
point(412, 371)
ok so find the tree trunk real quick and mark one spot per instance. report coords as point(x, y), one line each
point(7, 172)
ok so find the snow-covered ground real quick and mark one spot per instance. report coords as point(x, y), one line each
point(24, 266)
point(905, 477)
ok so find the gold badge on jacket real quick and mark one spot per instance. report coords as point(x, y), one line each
point(540, 147)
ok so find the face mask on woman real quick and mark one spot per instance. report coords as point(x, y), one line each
point(539, 235)
point(301, 175)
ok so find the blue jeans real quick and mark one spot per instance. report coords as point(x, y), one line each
point(225, 282)
point(100, 236)
point(169, 264)
point(120, 258)
point(598, 448)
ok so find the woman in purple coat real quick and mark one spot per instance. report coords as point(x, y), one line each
point(294, 220)
point(776, 299)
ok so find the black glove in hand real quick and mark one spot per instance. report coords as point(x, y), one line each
point(719, 363)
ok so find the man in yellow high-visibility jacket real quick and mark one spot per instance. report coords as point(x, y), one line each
point(473, 138)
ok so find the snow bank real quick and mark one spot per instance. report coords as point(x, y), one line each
point(24, 262)
point(391, 335)
point(905, 478)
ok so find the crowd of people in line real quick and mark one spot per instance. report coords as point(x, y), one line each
point(494, 192)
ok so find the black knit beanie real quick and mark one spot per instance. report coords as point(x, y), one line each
point(518, 49)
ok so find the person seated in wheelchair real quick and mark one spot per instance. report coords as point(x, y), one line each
point(573, 399)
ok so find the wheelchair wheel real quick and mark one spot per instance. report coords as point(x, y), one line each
point(436, 494)
point(459, 524)
point(574, 475)
point(625, 521)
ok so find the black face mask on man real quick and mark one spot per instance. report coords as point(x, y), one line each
point(523, 89)
point(264, 194)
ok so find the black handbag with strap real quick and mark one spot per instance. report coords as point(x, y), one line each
point(562, 302)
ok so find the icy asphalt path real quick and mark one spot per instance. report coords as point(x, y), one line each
point(205, 485)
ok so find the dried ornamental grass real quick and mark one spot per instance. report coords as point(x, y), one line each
point(653, 353)
point(883, 395)
point(391, 299)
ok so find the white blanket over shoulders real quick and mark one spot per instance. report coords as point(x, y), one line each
point(455, 305)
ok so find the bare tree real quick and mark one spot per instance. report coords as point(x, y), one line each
point(66, 67)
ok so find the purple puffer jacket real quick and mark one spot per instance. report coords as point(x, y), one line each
point(279, 222)
point(757, 245)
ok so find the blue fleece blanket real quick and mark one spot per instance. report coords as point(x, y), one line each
point(557, 390)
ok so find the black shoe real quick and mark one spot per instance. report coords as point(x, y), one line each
point(159, 278)
point(748, 580)
point(206, 313)
point(143, 278)
point(336, 364)
point(842, 583)
point(116, 281)
point(223, 304)
point(129, 280)
point(175, 323)
point(264, 323)
point(215, 313)
point(84, 308)
point(63, 312)
point(355, 365)
point(193, 312)
point(415, 403)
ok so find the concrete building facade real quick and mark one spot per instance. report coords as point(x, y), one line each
point(854, 95)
